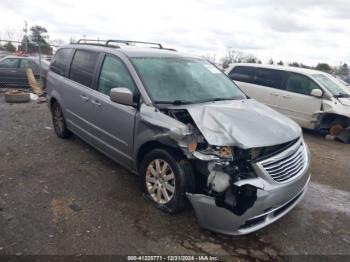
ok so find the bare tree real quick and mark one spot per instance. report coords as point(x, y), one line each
point(231, 56)
point(210, 57)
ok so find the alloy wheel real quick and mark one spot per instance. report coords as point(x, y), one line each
point(160, 181)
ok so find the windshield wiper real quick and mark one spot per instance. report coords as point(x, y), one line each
point(218, 99)
point(342, 95)
point(175, 102)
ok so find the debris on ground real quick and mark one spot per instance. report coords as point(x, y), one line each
point(33, 83)
point(33, 97)
point(344, 135)
point(41, 99)
point(75, 207)
point(329, 137)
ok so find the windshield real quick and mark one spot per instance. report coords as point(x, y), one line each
point(331, 84)
point(182, 80)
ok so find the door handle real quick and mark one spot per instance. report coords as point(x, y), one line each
point(96, 103)
point(274, 94)
point(13, 71)
point(287, 96)
point(84, 98)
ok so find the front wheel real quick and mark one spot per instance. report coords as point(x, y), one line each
point(165, 178)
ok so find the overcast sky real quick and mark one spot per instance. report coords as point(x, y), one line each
point(307, 31)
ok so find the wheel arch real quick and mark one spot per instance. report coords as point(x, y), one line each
point(327, 120)
point(149, 146)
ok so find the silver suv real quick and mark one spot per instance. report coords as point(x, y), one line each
point(184, 128)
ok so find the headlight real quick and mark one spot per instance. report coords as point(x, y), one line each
point(225, 152)
point(214, 153)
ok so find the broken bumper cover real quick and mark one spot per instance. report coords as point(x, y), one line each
point(274, 200)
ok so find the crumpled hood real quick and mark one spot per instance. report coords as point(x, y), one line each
point(345, 101)
point(243, 123)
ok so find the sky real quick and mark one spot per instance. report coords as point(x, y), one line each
point(307, 31)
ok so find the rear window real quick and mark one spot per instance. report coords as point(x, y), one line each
point(242, 74)
point(270, 77)
point(61, 61)
point(83, 66)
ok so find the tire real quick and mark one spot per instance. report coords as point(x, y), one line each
point(156, 185)
point(58, 121)
point(17, 97)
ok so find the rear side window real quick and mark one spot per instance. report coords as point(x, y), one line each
point(242, 74)
point(83, 66)
point(300, 84)
point(60, 62)
point(9, 63)
point(270, 78)
point(114, 74)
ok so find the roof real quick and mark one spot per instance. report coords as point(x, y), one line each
point(133, 51)
point(279, 67)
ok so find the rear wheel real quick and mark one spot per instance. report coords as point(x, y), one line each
point(59, 122)
point(165, 178)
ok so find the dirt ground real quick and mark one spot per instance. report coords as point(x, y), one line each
point(62, 197)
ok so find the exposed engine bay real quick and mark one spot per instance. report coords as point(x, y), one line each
point(220, 171)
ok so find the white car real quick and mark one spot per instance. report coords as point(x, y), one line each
point(315, 100)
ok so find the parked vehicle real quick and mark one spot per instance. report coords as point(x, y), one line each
point(184, 128)
point(3, 54)
point(13, 70)
point(315, 100)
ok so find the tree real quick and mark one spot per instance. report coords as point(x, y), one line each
point(9, 47)
point(280, 63)
point(271, 61)
point(38, 36)
point(343, 70)
point(25, 41)
point(210, 57)
point(233, 56)
point(294, 64)
point(72, 40)
point(250, 59)
point(323, 67)
point(230, 57)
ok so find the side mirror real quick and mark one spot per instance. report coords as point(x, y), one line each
point(122, 95)
point(316, 92)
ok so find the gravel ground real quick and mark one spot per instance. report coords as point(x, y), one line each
point(62, 197)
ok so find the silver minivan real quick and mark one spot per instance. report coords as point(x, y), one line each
point(185, 128)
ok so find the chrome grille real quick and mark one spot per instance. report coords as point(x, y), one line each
point(287, 164)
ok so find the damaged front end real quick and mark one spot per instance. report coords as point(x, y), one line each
point(240, 186)
point(243, 194)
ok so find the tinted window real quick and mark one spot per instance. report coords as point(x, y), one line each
point(61, 61)
point(82, 67)
point(300, 84)
point(114, 74)
point(242, 73)
point(9, 63)
point(270, 78)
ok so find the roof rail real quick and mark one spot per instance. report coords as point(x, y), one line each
point(109, 43)
point(128, 42)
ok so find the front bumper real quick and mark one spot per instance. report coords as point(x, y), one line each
point(274, 200)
